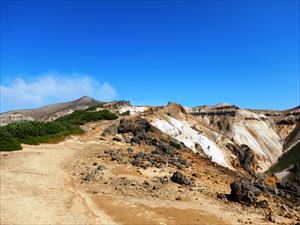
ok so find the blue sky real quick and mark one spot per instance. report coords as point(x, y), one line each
point(151, 52)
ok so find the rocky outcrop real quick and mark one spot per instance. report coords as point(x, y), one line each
point(244, 192)
point(137, 127)
point(245, 156)
point(175, 110)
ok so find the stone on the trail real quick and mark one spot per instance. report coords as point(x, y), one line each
point(88, 177)
point(179, 178)
point(101, 167)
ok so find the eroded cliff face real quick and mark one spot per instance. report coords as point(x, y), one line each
point(287, 124)
point(253, 135)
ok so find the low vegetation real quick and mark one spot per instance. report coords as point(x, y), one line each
point(81, 117)
point(33, 132)
point(287, 159)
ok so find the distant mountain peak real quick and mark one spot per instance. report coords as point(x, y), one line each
point(85, 99)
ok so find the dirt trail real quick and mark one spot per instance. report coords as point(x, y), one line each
point(35, 189)
point(43, 185)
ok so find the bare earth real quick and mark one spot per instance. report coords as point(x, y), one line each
point(44, 185)
point(35, 189)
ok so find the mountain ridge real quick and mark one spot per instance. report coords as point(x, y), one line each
point(263, 134)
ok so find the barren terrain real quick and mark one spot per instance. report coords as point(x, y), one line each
point(78, 181)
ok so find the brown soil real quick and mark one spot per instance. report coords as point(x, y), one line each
point(45, 184)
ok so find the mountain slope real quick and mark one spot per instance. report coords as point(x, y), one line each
point(250, 140)
point(48, 112)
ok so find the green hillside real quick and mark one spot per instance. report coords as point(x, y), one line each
point(289, 158)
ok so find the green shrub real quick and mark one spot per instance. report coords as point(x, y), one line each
point(287, 159)
point(80, 117)
point(175, 144)
point(8, 142)
point(32, 132)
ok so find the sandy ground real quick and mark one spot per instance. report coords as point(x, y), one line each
point(35, 189)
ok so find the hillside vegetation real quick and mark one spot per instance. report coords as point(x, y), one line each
point(33, 132)
point(80, 117)
point(287, 159)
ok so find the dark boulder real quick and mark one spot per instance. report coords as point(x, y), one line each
point(243, 191)
point(134, 126)
point(125, 126)
point(138, 137)
point(179, 178)
point(137, 127)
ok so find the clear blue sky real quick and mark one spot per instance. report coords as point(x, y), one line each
point(191, 52)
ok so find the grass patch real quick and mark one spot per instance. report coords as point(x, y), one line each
point(287, 159)
point(80, 117)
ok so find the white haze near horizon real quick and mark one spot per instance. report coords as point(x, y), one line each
point(52, 87)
